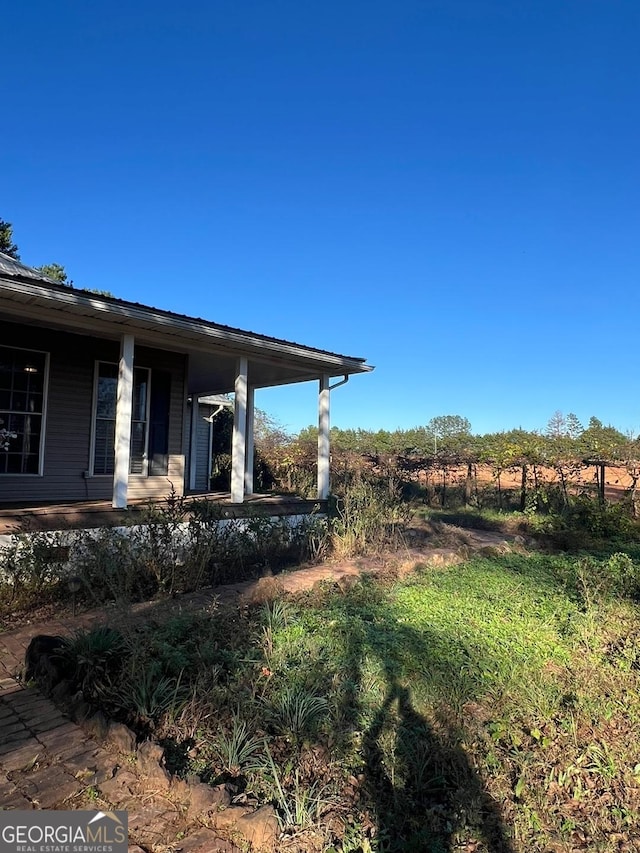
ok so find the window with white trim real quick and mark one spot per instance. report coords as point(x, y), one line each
point(23, 382)
point(104, 428)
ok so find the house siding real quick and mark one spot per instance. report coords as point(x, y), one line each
point(202, 449)
point(69, 408)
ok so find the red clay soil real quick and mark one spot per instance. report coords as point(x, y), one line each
point(617, 480)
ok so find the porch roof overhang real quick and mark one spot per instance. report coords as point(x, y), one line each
point(27, 296)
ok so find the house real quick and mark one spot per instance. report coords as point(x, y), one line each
point(102, 399)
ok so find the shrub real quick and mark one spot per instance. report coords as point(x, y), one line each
point(368, 517)
point(158, 541)
point(32, 565)
point(219, 549)
point(95, 658)
point(210, 556)
point(587, 514)
point(625, 574)
point(278, 543)
point(594, 580)
point(108, 562)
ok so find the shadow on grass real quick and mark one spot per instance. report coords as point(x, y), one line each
point(426, 795)
point(419, 786)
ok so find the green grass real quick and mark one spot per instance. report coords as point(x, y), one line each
point(460, 694)
point(489, 706)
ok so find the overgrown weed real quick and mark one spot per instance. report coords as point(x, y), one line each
point(368, 518)
point(176, 546)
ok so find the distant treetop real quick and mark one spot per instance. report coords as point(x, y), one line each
point(56, 272)
point(7, 246)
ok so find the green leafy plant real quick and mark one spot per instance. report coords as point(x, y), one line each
point(299, 804)
point(148, 695)
point(96, 656)
point(274, 617)
point(595, 579)
point(296, 712)
point(33, 565)
point(237, 749)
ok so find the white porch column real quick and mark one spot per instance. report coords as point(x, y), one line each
point(323, 438)
point(250, 444)
point(193, 442)
point(239, 443)
point(124, 403)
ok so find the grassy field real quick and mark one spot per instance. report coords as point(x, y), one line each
point(488, 706)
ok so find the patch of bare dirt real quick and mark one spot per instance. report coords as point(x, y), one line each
point(617, 479)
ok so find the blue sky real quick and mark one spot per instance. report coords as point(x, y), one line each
point(448, 188)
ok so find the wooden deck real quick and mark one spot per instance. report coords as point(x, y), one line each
point(18, 518)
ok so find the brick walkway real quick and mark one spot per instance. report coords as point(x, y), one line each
point(47, 761)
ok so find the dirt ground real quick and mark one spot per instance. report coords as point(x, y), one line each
point(617, 479)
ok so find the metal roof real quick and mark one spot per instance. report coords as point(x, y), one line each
point(29, 292)
point(10, 266)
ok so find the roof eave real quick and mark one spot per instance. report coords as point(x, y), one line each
point(118, 311)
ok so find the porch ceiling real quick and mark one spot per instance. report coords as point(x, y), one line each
point(212, 348)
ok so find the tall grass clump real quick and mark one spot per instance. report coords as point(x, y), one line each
point(368, 517)
point(296, 712)
point(238, 748)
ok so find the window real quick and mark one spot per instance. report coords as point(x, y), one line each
point(139, 421)
point(23, 376)
point(159, 404)
point(105, 419)
point(149, 421)
point(105, 423)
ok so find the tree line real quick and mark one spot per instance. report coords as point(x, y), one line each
point(445, 454)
